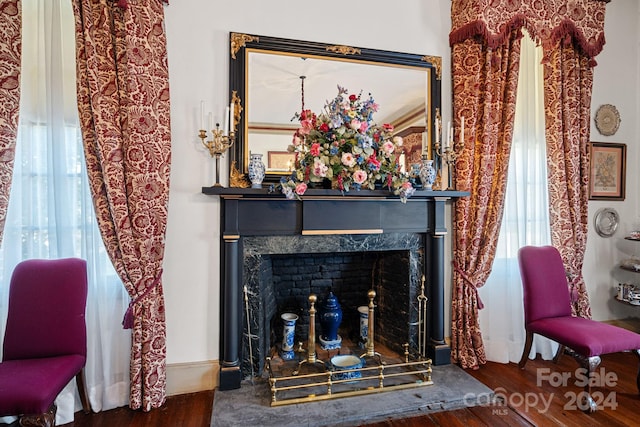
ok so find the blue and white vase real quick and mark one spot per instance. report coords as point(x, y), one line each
point(288, 335)
point(363, 311)
point(330, 318)
point(256, 170)
point(427, 173)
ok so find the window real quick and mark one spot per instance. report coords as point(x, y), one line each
point(525, 220)
point(50, 212)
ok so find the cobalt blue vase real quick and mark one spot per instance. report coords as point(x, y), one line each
point(330, 318)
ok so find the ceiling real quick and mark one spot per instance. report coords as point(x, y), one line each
point(274, 86)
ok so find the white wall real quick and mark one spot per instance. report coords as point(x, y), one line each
point(616, 80)
point(198, 32)
point(197, 35)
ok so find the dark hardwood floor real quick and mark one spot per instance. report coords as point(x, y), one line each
point(535, 396)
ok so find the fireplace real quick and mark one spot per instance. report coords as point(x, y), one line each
point(282, 271)
point(258, 227)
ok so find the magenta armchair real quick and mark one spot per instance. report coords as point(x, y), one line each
point(45, 342)
point(547, 312)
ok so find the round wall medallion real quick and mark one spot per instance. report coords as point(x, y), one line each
point(607, 119)
point(606, 222)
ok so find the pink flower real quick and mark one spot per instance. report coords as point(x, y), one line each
point(355, 124)
point(307, 126)
point(315, 149)
point(296, 139)
point(348, 160)
point(319, 168)
point(359, 176)
point(388, 147)
point(363, 127)
point(301, 187)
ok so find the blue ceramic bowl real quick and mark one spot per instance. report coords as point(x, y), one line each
point(345, 362)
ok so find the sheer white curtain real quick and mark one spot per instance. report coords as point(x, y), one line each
point(50, 209)
point(525, 221)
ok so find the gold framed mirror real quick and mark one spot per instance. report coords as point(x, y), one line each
point(271, 79)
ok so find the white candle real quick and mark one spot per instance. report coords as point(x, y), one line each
point(462, 131)
point(437, 131)
point(448, 139)
point(226, 122)
point(231, 117)
point(201, 114)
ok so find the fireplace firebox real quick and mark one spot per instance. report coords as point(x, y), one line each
point(258, 226)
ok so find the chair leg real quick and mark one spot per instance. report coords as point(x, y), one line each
point(637, 353)
point(559, 353)
point(590, 364)
point(82, 391)
point(48, 419)
point(527, 349)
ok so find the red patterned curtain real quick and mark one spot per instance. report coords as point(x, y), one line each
point(123, 101)
point(10, 57)
point(485, 82)
point(568, 78)
point(571, 31)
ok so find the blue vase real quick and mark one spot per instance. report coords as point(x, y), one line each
point(330, 314)
point(427, 173)
point(288, 335)
point(256, 170)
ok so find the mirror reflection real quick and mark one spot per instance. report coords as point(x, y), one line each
point(281, 85)
point(275, 78)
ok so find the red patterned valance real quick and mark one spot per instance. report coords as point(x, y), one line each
point(546, 20)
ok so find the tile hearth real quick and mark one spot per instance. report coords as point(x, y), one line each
point(250, 404)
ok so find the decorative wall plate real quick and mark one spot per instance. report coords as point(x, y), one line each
point(606, 222)
point(607, 119)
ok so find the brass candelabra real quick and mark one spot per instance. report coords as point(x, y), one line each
point(450, 150)
point(217, 145)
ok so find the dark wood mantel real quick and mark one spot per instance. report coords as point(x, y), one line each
point(256, 212)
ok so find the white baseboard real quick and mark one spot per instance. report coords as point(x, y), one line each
point(192, 377)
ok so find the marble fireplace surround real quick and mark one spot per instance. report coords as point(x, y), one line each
point(397, 277)
point(247, 214)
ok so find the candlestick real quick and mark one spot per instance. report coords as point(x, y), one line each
point(225, 128)
point(449, 150)
point(201, 114)
point(448, 136)
point(217, 145)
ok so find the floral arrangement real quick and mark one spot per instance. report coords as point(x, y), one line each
point(345, 147)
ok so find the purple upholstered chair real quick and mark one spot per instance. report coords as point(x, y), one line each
point(45, 343)
point(547, 312)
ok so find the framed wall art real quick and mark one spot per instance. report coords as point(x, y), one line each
point(607, 171)
point(281, 160)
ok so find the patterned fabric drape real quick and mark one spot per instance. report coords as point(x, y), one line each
point(568, 82)
point(547, 21)
point(485, 82)
point(10, 57)
point(570, 31)
point(123, 102)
